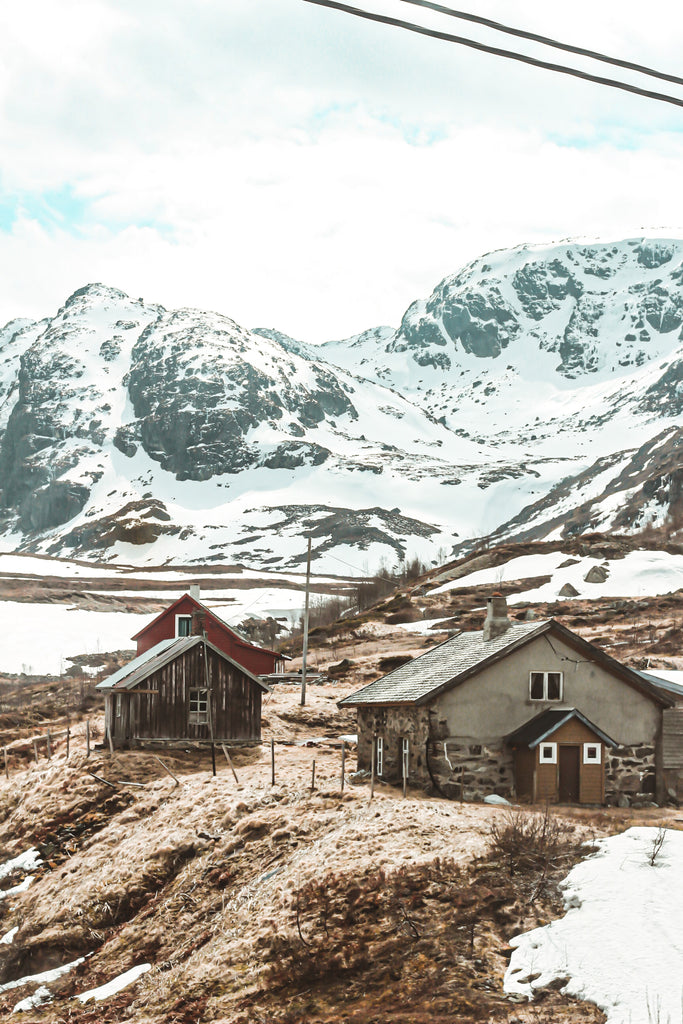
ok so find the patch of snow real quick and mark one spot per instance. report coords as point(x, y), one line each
point(115, 985)
point(24, 862)
point(22, 887)
point(619, 944)
point(8, 938)
point(44, 976)
point(41, 996)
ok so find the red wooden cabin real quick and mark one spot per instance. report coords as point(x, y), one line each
point(188, 616)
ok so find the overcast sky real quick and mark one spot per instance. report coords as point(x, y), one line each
point(298, 168)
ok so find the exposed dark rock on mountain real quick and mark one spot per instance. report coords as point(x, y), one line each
point(535, 384)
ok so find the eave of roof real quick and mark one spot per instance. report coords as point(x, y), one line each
point(543, 725)
point(666, 685)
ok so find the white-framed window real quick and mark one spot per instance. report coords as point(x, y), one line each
point(119, 705)
point(199, 706)
point(379, 755)
point(183, 625)
point(547, 753)
point(592, 753)
point(405, 758)
point(545, 686)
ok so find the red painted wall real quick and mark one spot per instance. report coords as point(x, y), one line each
point(255, 659)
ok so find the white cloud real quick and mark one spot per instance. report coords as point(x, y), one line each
point(297, 168)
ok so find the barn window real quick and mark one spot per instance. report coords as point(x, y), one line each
point(592, 753)
point(183, 625)
point(545, 685)
point(379, 755)
point(548, 753)
point(199, 706)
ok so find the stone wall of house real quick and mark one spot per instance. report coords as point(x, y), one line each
point(630, 772)
point(394, 725)
point(463, 770)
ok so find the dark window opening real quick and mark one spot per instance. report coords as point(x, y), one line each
point(184, 625)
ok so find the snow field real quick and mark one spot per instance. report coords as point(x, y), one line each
point(620, 944)
point(639, 573)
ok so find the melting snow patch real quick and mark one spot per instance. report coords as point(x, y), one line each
point(52, 975)
point(24, 862)
point(115, 985)
point(22, 887)
point(41, 996)
point(620, 944)
point(8, 937)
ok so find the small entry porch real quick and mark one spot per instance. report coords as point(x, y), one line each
point(559, 757)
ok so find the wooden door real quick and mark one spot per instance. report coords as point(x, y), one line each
point(570, 767)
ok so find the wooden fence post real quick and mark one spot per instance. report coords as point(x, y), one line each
point(167, 770)
point(35, 749)
point(313, 776)
point(228, 759)
point(272, 761)
point(343, 765)
point(68, 739)
point(87, 738)
point(49, 746)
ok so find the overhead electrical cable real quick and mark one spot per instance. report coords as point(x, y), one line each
point(546, 40)
point(497, 51)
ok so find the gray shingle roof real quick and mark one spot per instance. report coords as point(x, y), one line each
point(134, 665)
point(417, 680)
point(161, 654)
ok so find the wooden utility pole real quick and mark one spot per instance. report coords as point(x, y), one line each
point(305, 648)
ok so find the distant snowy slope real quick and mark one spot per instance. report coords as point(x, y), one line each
point(538, 392)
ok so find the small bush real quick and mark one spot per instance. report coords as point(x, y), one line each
point(529, 843)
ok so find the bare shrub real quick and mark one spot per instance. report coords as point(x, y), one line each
point(529, 842)
point(656, 846)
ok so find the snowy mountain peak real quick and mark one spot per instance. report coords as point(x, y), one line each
point(538, 389)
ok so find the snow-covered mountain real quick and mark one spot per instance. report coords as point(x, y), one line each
point(539, 390)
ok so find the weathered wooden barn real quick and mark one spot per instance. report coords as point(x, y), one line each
point(522, 709)
point(183, 689)
point(188, 615)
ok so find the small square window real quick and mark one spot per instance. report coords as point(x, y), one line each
point(547, 753)
point(592, 753)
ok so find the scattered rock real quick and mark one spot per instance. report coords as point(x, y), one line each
point(597, 574)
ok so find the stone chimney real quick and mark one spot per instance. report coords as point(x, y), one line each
point(497, 621)
point(194, 591)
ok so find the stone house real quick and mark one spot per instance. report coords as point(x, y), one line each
point(523, 709)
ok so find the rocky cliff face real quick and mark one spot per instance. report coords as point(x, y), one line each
point(505, 401)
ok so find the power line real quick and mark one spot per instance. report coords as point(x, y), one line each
point(546, 40)
point(497, 51)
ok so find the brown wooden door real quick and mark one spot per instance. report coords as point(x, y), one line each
point(570, 767)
